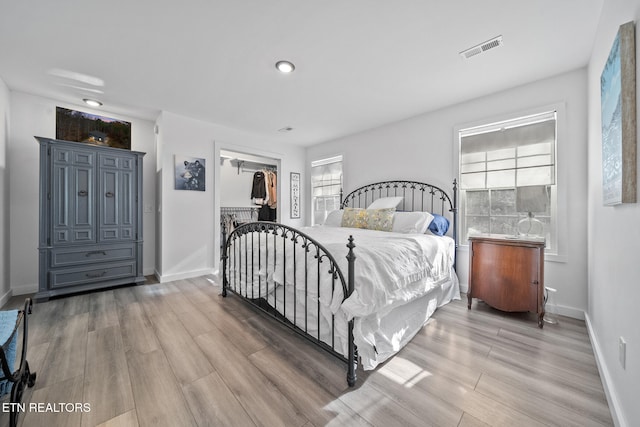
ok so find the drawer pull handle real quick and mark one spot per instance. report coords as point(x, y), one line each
point(95, 275)
point(82, 193)
point(109, 194)
point(96, 253)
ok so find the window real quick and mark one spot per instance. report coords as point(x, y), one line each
point(326, 187)
point(495, 161)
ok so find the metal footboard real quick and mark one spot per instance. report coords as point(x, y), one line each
point(293, 278)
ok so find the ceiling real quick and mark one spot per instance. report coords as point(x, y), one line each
point(359, 63)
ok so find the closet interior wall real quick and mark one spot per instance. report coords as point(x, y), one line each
point(237, 204)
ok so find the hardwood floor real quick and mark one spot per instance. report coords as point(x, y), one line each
point(178, 354)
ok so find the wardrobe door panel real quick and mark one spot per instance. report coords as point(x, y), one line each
point(73, 185)
point(61, 204)
point(117, 192)
point(127, 202)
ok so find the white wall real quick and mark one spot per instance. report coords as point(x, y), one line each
point(190, 220)
point(5, 285)
point(423, 149)
point(614, 243)
point(36, 116)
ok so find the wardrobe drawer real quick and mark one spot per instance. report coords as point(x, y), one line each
point(77, 256)
point(82, 275)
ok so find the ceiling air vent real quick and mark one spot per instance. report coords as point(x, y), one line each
point(482, 47)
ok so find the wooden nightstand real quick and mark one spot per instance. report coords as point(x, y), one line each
point(507, 273)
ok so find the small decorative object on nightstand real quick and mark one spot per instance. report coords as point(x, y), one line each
point(531, 199)
point(507, 273)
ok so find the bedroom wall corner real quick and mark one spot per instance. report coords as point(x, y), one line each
point(613, 241)
point(5, 283)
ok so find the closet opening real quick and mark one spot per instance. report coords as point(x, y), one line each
point(248, 190)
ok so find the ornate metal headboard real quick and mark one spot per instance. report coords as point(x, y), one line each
point(417, 196)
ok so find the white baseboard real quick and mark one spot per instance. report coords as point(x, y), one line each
point(607, 383)
point(25, 289)
point(179, 276)
point(563, 310)
point(5, 298)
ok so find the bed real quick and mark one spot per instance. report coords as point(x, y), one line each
point(361, 285)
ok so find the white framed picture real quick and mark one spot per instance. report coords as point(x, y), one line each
point(295, 195)
point(190, 173)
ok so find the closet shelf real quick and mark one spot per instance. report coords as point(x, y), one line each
point(250, 165)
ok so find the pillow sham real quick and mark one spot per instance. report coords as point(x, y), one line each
point(354, 218)
point(372, 219)
point(380, 219)
point(439, 226)
point(411, 222)
point(385, 203)
point(334, 218)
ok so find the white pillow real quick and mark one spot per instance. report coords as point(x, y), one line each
point(334, 218)
point(411, 222)
point(385, 203)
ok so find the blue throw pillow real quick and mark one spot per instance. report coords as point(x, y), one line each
point(439, 225)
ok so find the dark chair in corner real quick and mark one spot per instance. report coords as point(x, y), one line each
point(14, 377)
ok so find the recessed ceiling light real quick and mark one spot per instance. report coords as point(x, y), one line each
point(285, 66)
point(92, 102)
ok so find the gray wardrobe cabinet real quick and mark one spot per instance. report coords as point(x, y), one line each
point(90, 217)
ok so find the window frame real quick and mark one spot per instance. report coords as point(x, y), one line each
point(325, 160)
point(559, 209)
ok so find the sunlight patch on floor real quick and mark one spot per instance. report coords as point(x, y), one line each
point(404, 372)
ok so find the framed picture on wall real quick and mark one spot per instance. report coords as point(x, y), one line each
point(190, 173)
point(618, 109)
point(295, 194)
point(78, 126)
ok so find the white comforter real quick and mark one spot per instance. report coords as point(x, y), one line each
point(392, 272)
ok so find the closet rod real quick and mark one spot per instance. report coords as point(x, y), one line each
point(241, 163)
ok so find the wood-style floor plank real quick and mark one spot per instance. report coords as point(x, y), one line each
point(185, 357)
point(158, 396)
point(106, 379)
point(136, 329)
point(47, 412)
point(179, 354)
point(67, 350)
point(128, 419)
point(259, 397)
point(315, 403)
point(103, 311)
point(213, 404)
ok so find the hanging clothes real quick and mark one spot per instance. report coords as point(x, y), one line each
point(272, 189)
point(259, 189)
point(264, 194)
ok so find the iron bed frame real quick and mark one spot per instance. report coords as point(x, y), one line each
point(248, 245)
